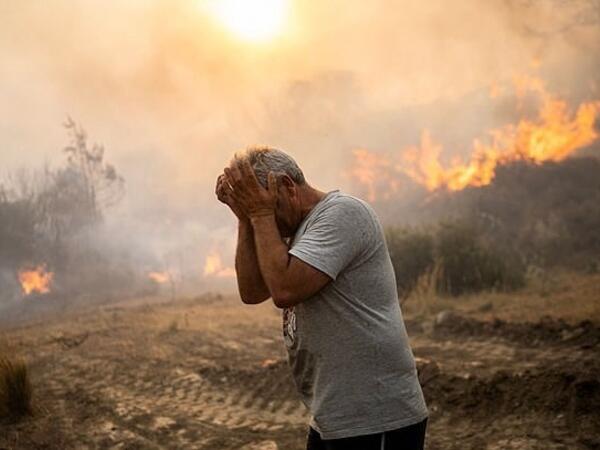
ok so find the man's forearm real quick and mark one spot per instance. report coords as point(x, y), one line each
point(272, 255)
point(251, 285)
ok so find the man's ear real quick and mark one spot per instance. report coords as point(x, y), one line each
point(288, 184)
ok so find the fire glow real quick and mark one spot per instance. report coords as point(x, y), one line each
point(37, 280)
point(159, 277)
point(214, 266)
point(555, 134)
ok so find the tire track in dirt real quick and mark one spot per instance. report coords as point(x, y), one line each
point(182, 408)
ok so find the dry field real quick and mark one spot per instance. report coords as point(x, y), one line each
point(210, 373)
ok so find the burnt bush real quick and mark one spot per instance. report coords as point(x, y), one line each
point(412, 254)
point(464, 260)
point(54, 216)
point(470, 264)
point(549, 213)
point(17, 226)
point(15, 389)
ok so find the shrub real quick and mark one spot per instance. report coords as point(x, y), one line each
point(15, 389)
point(457, 258)
point(546, 212)
point(469, 264)
point(412, 254)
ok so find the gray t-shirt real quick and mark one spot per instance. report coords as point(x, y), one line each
point(347, 345)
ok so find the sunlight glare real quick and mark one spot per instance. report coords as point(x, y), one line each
point(251, 20)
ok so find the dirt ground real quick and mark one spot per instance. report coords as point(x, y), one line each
point(211, 373)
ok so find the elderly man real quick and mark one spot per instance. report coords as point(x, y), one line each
point(322, 258)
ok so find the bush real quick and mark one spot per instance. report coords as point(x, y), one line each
point(15, 389)
point(456, 255)
point(546, 212)
point(412, 254)
point(468, 264)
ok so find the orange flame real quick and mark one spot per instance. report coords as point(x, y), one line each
point(556, 133)
point(214, 266)
point(37, 280)
point(159, 277)
point(374, 172)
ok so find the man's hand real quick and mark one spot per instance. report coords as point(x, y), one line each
point(223, 191)
point(247, 193)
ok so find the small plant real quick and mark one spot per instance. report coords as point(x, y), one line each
point(15, 389)
point(173, 326)
point(424, 294)
point(412, 254)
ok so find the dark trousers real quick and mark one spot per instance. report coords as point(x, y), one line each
point(406, 438)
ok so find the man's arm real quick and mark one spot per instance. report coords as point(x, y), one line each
point(289, 280)
point(251, 285)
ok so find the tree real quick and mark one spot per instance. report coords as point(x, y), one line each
point(103, 186)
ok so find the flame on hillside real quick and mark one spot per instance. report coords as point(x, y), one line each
point(214, 266)
point(556, 133)
point(36, 280)
point(159, 277)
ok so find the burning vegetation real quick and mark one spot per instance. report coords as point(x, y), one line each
point(530, 218)
point(214, 266)
point(56, 215)
point(526, 199)
point(36, 280)
point(555, 133)
point(159, 277)
point(60, 216)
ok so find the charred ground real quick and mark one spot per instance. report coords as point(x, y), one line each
point(211, 373)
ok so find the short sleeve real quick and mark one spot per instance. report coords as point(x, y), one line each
point(335, 238)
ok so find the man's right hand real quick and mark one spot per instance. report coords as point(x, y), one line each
point(223, 191)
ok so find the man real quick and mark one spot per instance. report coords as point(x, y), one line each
point(323, 259)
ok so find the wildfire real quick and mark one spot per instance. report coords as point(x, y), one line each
point(556, 133)
point(214, 266)
point(37, 280)
point(374, 172)
point(159, 277)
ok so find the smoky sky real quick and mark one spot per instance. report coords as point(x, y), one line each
point(171, 95)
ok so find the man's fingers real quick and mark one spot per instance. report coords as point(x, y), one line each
point(224, 189)
point(243, 164)
point(223, 192)
point(272, 182)
point(227, 189)
point(227, 180)
point(234, 172)
point(242, 185)
point(229, 176)
point(248, 171)
point(235, 198)
point(219, 184)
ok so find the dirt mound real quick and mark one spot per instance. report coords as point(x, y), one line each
point(572, 393)
point(547, 331)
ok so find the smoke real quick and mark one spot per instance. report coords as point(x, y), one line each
point(171, 95)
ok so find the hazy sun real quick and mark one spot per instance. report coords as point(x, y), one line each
point(252, 20)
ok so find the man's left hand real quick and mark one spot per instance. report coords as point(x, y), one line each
point(247, 192)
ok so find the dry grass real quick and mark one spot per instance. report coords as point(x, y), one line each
point(173, 326)
point(15, 389)
point(571, 296)
point(424, 300)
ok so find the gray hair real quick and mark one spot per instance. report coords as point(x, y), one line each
point(265, 159)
